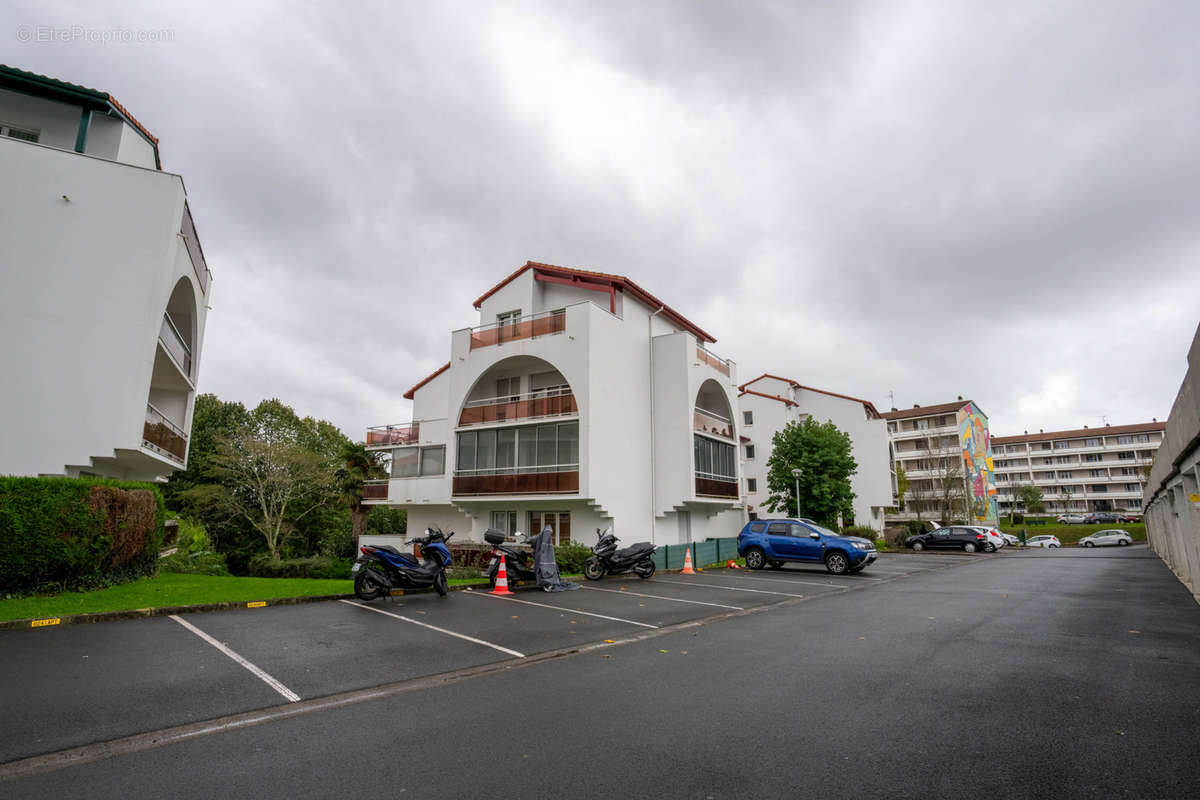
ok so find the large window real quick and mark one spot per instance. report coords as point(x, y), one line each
point(413, 462)
point(714, 459)
point(530, 448)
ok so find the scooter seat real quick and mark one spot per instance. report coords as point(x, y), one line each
point(634, 550)
point(387, 548)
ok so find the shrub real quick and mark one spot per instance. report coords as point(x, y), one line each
point(65, 533)
point(1018, 518)
point(263, 566)
point(207, 563)
point(915, 527)
point(570, 556)
point(861, 531)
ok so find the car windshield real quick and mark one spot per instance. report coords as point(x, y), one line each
point(819, 528)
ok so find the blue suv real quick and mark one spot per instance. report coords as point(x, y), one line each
point(774, 541)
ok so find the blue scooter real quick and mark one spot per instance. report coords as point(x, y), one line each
point(382, 567)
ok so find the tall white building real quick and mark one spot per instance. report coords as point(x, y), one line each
point(1083, 470)
point(104, 288)
point(768, 403)
point(579, 401)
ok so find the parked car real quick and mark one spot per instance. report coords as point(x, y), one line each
point(1101, 516)
point(957, 537)
point(1043, 541)
point(1009, 538)
point(773, 542)
point(995, 540)
point(1072, 519)
point(1103, 538)
point(1127, 518)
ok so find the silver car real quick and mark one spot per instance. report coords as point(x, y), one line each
point(1102, 538)
point(1043, 541)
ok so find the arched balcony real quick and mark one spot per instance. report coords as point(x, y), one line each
point(713, 443)
point(165, 429)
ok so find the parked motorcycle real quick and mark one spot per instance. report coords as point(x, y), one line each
point(382, 567)
point(606, 559)
point(518, 561)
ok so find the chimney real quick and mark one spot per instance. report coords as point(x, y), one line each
point(960, 398)
point(1040, 430)
point(893, 408)
point(918, 405)
point(1026, 433)
point(1085, 427)
point(1154, 419)
point(1107, 425)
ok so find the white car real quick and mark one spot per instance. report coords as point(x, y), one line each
point(1043, 541)
point(1102, 538)
point(1009, 538)
point(995, 540)
point(1072, 519)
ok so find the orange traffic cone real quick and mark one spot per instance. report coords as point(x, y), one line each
point(501, 579)
point(733, 564)
point(687, 564)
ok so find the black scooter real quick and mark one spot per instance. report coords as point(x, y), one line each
point(518, 561)
point(606, 559)
point(382, 567)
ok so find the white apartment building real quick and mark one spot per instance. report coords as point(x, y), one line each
point(105, 288)
point(1084, 470)
point(580, 401)
point(768, 403)
point(945, 451)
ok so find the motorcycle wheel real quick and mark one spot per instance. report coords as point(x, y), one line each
point(644, 570)
point(440, 584)
point(365, 587)
point(592, 569)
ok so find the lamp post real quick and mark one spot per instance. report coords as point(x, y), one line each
point(796, 475)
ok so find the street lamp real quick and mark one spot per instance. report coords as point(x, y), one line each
point(796, 475)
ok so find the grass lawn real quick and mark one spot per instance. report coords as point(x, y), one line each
point(1071, 534)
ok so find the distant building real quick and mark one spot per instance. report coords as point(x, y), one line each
point(945, 452)
point(579, 401)
point(104, 288)
point(1084, 470)
point(768, 403)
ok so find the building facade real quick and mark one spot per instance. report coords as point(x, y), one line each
point(768, 403)
point(105, 289)
point(1084, 470)
point(945, 453)
point(580, 401)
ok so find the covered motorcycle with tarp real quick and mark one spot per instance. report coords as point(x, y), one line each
point(545, 567)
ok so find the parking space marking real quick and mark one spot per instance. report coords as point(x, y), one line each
point(778, 580)
point(434, 628)
point(660, 597)
point(739, 589)
point(263, 676)
point(561, 608)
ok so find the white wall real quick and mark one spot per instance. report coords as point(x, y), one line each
point(58, 123)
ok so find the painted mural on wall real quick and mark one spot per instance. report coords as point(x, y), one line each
point(977, 458)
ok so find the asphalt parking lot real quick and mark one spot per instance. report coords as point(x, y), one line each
point(121, 678)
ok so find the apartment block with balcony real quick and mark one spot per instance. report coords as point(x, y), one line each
point(105, 288)
point(579, 401)
point(768, 403)
point(945, 452)
point(1081, 471)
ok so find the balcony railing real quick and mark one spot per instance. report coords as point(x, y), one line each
point(192, 241)
point(716, 486)
point(164, 436)
point(375, 490)
point(714, 361)
point(555, 401)
point(559, 479)
point(527, 327)
point(712, 424)
point(172, 339)
point(393, 435)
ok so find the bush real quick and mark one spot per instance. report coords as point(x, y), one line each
point(207, 563)
point(861, 531)
point(915, 527)
point(570, 556)
point(67, 533)
point(1018, 518)
point(193, 538)
point(263, 566)
point(385, 521)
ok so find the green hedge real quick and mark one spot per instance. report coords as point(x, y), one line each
point(74, 533)
point(263, 566)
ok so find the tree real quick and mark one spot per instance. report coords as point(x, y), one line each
point(357, 466)
point(1031, 497)
point(823, 455)
point(901, 485)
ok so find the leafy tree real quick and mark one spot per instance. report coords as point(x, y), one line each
point(901, 485)
point(384, 521)
point(357, 465)
point(823, 454)
point(1031, 496)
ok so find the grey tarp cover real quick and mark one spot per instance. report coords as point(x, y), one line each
point(545, 566)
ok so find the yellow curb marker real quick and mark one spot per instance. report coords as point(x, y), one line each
point(257, 604)
point(41, 623)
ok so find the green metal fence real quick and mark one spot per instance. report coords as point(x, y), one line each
point(707, 552)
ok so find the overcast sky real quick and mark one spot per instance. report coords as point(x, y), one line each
point(998, 200)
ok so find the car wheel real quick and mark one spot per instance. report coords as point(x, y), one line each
point(1089, 544)
point(969, 547)
point(776, 564)
point(1122, 542)
point(756, 558)
point(918, 546)
point(989, 548)
point(1052, 545)
point(837, 563)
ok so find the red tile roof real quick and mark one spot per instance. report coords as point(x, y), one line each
point(617, 282)
point(1081, 433)
point(783, 400)
point(867, 404)
point(925, 411)
point(409, 394)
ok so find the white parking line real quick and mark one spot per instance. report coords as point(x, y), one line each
point(435, 628)
point(267, 679)
point(660, 597)
point(560, 608)
point(737, 588)
point(777, 580)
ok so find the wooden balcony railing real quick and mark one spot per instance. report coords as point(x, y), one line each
point(717, 363)
point(716, 487)
point(554, 402)
point(710, 423)
point(541, 324)
point(375, 490)
point(172, 339)
point(517, 483)
point(164, 436)
point(394, 435)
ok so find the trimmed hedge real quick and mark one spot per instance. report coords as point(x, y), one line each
point(73, 533)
